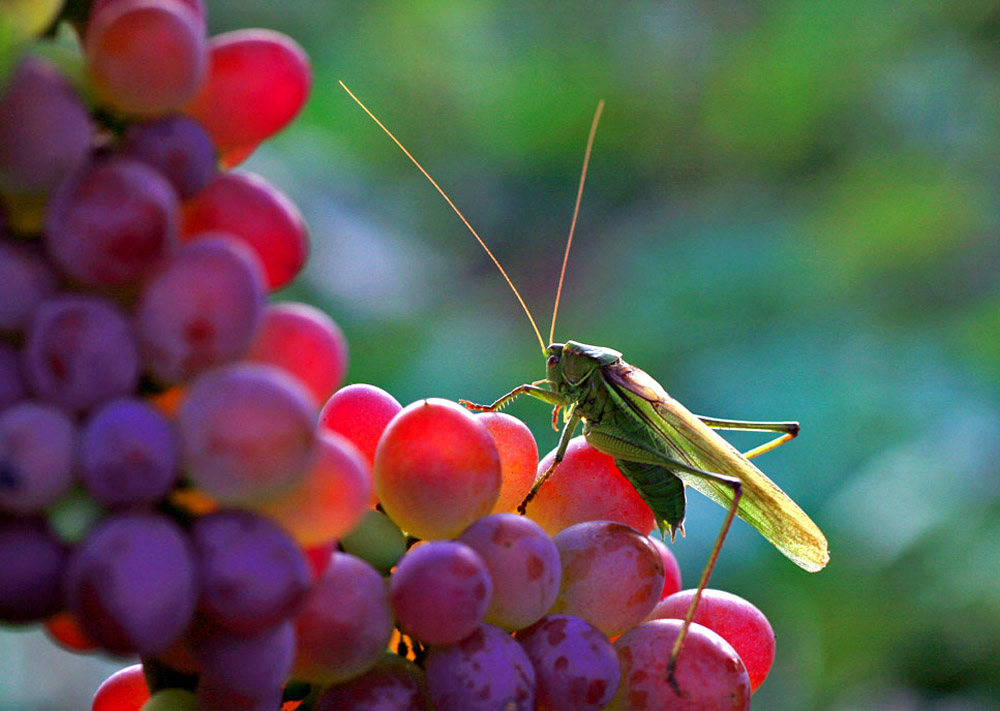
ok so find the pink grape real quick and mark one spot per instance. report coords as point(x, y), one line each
point(612, 575)
point(523, 563)
point(709, 672)
point(125, 690)
point(436, 469)
point(304, 341)
point(671, 569)
point(736, 620)
point(176, 146)
point(146, 57)
point(247, 432)
point(360, 412)
point(486, 671)
point(344, 624)
point(587, 486)
point(518, 458)
point(26, 278)
point(37, 445)
point(197, 6)
point(393, 684)
point(33, 562)
point(576, 667)
point(440, 592)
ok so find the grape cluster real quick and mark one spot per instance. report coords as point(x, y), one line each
point(183, 478)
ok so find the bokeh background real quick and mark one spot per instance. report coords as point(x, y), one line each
point(791, 214)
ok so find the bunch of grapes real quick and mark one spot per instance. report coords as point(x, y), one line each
point(182, 476)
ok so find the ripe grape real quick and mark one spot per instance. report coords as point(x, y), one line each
point(671, 569)
point(709, 673)
point(32, 561)
point(212, 697)
point(486, 671)
point(111, 222)
point(523, 563)
point(125, 690)
point(253, 574)
point(518, 458)
point(377, 540)
point(250, 208)
point(612, 575)
point(197, 6)
point(176, 146)
point(11, 383)
point(576, 667)
point(37, 443)
point(587, 486)
point(392, 684)
point(201, 309)
point(360, 412)
point(440, 592)
point(736, 620)
point(64, 629)
point(25, 280)
point(436, 469)
point(128, 454)
point(304, 341)
point(253, 666)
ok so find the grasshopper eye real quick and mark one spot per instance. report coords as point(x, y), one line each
point(552, 360)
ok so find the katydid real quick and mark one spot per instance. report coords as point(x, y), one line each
point(658, 445)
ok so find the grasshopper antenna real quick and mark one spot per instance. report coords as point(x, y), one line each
point(576, 212)
point(457, 212)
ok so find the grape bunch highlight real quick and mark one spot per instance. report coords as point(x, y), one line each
point(186, 480)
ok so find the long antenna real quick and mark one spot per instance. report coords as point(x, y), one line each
point(457, 212)
point(576, 211)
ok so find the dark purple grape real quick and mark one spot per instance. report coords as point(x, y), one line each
point(37, 444)
point(215, 698)
point(12, 387)
point(112, 222)
point(253, 575)
point(201, 309)
point(80, 351)
point(393, 684)
point(32, 561)
point(178, 147)
point(128, 454)
point(486, 671)
point(133, 583)
point(25, 279)
point(252, 666)
point(45, 128)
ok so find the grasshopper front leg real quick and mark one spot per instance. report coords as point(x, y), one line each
point(531, 389)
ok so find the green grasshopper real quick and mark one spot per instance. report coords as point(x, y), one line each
point(657, 444)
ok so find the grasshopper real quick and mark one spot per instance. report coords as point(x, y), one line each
point(659, 445)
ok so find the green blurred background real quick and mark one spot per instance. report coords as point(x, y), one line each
point(790, 214)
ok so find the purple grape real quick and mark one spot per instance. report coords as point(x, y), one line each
point(11, 383)
point(247, 431)
point(575, 664)
point(253, 575)
point(111, 222)
point(25, 279)
point(178, 147)
point(36, 456)
point(213, 698)
point(201, 309)
point(440, 592)
point(486, 671)
point(252, 666)
point(45, 129)
point(128, 454)
point(133, 583)
point(393, 684)
point(32, 561)
point(80, 351)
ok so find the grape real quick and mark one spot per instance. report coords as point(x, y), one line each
point(11, 383)
point(37, 444)
point(125, 690)
point(671, 570)
point(64, 629)
point(25, 279)
point(376, 540)
point(257, 82)
point(212, 698)
point(612, 575)
point(486, 671)
point(304, 341)
point(246, 431)
point(176, 146)
point(133, 583)
point(523, 563)
point(146, 57)
point(173, 700)
point(393, 684)
point(360, 413)
point(127, 454)
point(576, 667)
point(709, 673)
point(344, 624)
point(440, 592)
point(32, 561)
point(197, 6)
point(587, 486)
point(30, 17)
point(737, 621)
point(253, 575)
point(45, 129)
point(436, 469)
point(252, 666)
point(80, 351)
point(250, 208)
point(111, 222)
point(518, 458)
point(332, 498)
point(201, 309)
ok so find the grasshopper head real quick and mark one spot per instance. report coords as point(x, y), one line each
point(571, 363)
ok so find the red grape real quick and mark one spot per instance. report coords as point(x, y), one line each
point(518, 458)
point(125, 690)
point(671, 569)
point(197, 6)
point(64, 629)
point(360, 413)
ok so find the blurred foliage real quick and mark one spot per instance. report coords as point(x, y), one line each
point(791, 213)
